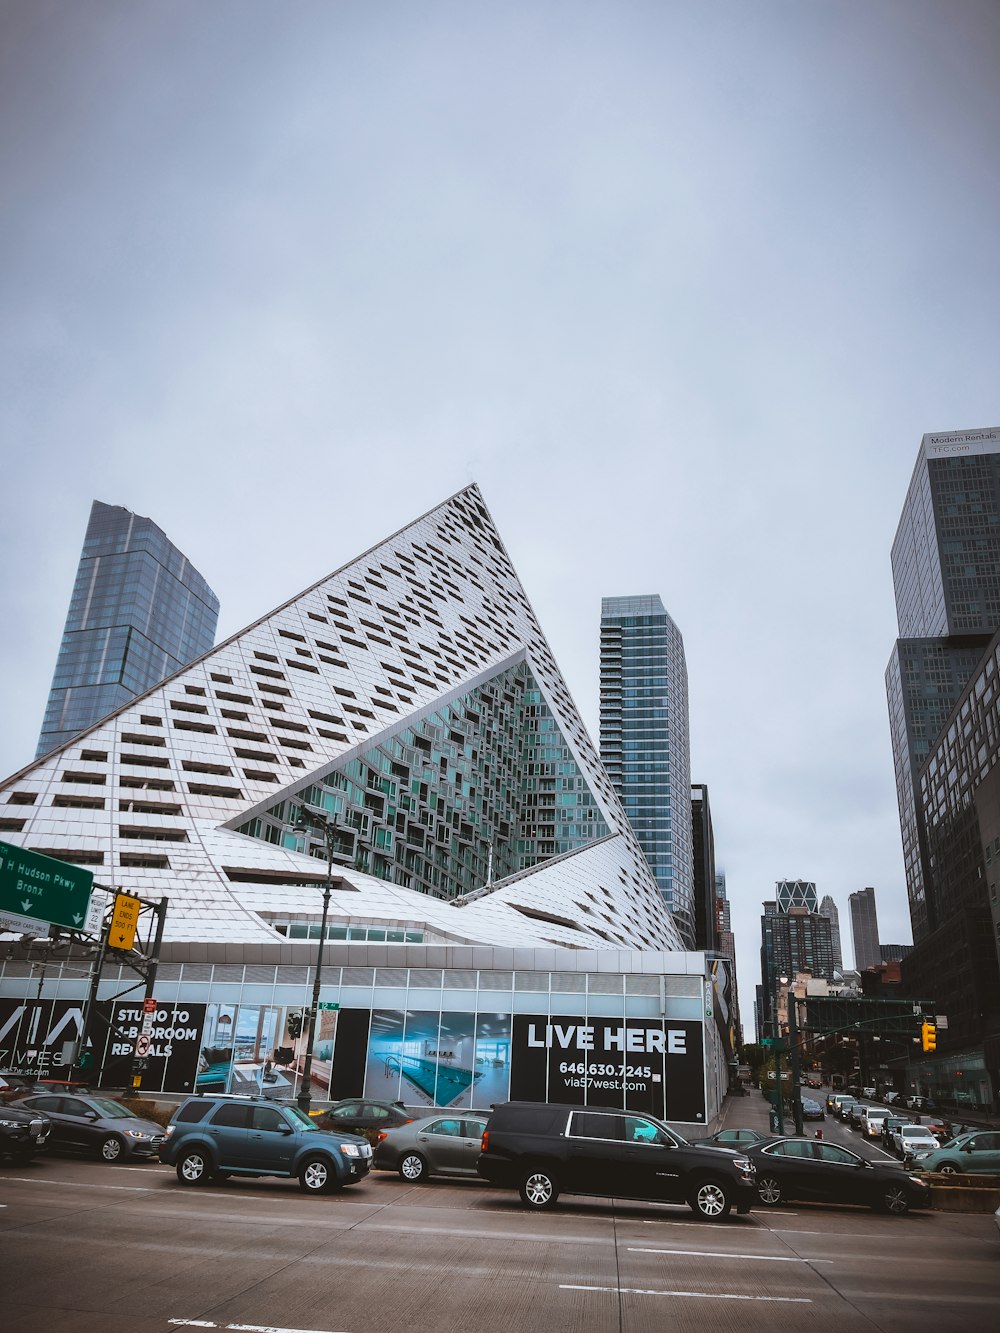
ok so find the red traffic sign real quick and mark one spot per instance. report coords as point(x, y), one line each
point(142, 1045)
point(149, 1006)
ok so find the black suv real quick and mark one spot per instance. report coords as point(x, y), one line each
point(215, 1137)
point(22, 1132)
point(544, 1149)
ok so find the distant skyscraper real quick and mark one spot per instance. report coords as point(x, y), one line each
point(644, 740)
point(791, 893)
point(828, 908)
point(946, 575)
point(864, 929)
point(139, 611)
point(722, 902)
point(706, 926)
point(792, 941)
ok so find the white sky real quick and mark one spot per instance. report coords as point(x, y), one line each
point(679, 285)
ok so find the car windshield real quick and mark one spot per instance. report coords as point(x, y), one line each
point(114, 1110)
point(298, 1115)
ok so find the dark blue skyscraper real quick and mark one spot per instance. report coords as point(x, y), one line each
point(645, 741)
point(139, 612)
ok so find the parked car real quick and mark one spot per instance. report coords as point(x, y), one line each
point(869, 1094)
point(96, 1125)
point(734, 1138)
point(891, 1098)
point(805, 1169)
point(23, 1132)
point(974, 1154)
point(215, 1137)
point(356, 1115)
point(445, 1144)
point(545, 1149)
point(911, 1139)
point(811, 1110)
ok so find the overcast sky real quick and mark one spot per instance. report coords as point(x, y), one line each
point(679, 285)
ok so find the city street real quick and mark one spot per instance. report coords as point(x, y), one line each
point(87, 1248)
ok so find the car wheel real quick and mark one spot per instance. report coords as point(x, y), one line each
point(710, 1200)
point(193, 1168)
point(894, 1199)
point(316, 1176)
point(112, 1149)
point(768, 1190)
point(413, 1168)
point(948, 1169)
point(539, 1189)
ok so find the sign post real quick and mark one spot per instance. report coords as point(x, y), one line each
point(39, 891)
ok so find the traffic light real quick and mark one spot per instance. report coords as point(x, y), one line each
point(928, 1036)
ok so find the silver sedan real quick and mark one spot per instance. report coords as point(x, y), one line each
point(445, 1144)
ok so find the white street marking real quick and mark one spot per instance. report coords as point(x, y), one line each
point(241, 1328)
point(700, 1295)
point(727, 1254)
point(78, 1184)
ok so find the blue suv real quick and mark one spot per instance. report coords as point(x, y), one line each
point(215, 1137)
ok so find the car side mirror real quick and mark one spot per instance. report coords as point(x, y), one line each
point(91, 1115)
point(285, 1129)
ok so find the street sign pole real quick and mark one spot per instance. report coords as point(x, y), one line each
point(149, 1003)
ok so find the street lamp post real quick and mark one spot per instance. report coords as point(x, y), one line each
point(308, 821)
point(793, 1042)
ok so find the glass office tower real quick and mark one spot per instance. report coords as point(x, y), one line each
point(946, 577)
point(645, 741)
point(139, 611)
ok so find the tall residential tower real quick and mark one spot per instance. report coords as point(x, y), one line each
point(645, 741)
point(139, 611)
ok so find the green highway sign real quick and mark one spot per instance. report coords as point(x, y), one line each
point(39, 890)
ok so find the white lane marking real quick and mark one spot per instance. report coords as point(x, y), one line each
point(700, 1295)
point(79, 1184)
point(241, 1328)
point(728, 1254)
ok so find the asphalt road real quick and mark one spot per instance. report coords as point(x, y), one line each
point(88, 1248)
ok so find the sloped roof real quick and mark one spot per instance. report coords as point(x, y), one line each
point(150, 797)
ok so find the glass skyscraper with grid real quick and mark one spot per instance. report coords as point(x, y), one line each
point(645, 741)
point(946, 577)
point(139, 611)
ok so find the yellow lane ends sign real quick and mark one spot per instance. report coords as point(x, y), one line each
point(124, 921)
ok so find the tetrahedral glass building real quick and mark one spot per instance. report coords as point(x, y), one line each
point(492, 915)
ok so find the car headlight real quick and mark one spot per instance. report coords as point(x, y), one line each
point(168, 1131)
point(137, 1134)
point(350, 1150)
point(743, 1164)
point(10, 1124)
